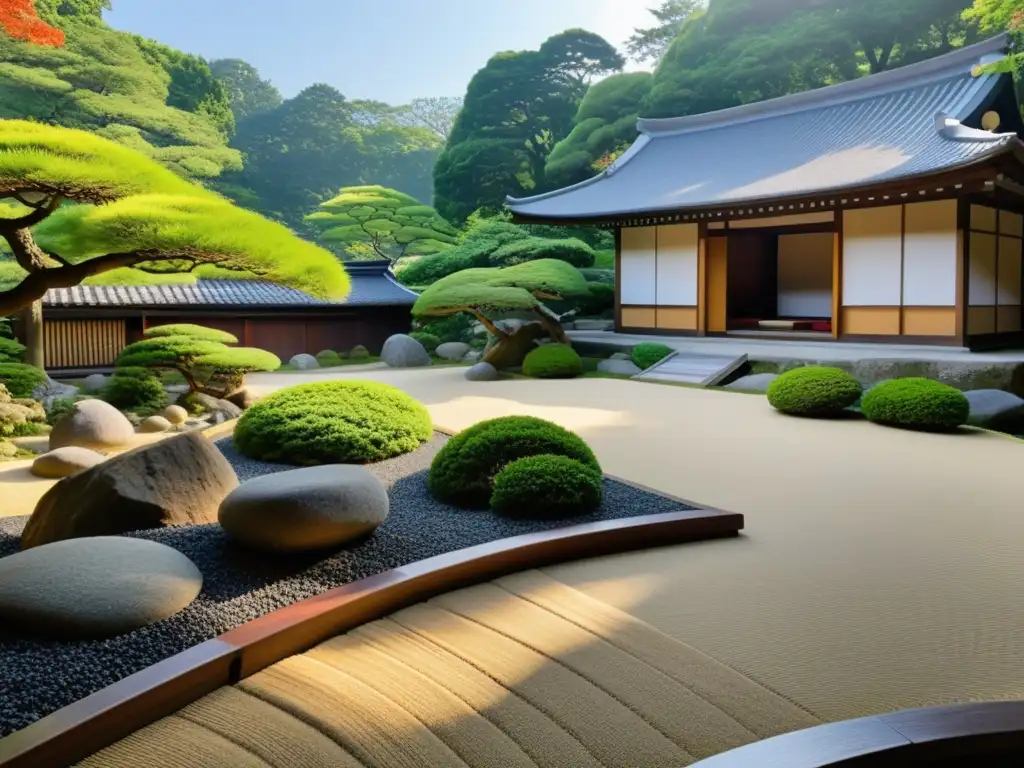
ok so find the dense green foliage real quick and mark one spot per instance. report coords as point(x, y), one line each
point(333, 422)
point(600, 302)
point(11, 351)
point(920, 404)
point(139, 93)
point(814, 391)
point(20, 379)
point(648, 354)
point(500, 290)
point(515, 110)
point(19, 417)
point(193, 331)
point(328, 358)
point(547, 487)
point(553, 361)
point(463, 472)
point(59, 408)
point(378, 223)
point(650, 43)
point(454, 328)
point(429, 341)
point(135, 389)
point(207, 365)
point(248, 94)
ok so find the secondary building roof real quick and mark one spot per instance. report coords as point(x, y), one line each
point(373, 285)
point(886, 127)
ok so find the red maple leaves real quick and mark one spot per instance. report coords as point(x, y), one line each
point(18, 18)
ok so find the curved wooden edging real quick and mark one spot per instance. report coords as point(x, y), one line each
point(919, 737)
point(74, 732)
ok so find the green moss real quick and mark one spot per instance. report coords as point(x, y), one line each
point(814, 391)
point(547, 487)
point(333, 422)
point(646, 355)
point(328, 358)
point(20, 379)
point(463, 472)
point(553, 361)
point(915, 403)
point(132, 389)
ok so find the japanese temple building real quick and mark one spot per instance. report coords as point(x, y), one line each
point(887, 208)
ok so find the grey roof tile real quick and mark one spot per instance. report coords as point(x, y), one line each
point(373, 285)
point(880, 128)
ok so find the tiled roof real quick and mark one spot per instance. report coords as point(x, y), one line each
point(899, 124)
point(373, 285)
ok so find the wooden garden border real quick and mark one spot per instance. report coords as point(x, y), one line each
point(966, 733)
point(79, 730)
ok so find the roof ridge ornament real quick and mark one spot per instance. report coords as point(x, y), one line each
point(954, 130)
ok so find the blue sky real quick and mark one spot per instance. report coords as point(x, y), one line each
point(389, 50)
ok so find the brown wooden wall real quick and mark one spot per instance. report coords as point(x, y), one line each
point(82, 343)
point(95, 342)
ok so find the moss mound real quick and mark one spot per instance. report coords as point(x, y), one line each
point(20, 379)
point(814, 392)
point(333, 422)
point(553, 361)
point(463, 472)
point(135, 389)
point(328, 358)
point(646, 355)
point(547, 487)
point(920, 404)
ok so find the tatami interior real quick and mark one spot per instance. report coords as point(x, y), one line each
point(879, 570)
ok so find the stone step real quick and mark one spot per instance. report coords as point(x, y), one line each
point(704, 370)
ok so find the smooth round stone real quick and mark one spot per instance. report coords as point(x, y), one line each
point(92, 424)
point(94, 587)
point(154, 424)
point(175, 414)
point(64, 462)
point(305, 509)
point(482, 372)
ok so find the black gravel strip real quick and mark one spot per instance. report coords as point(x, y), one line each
point(39, 677)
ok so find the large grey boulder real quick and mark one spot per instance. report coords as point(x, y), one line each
point(995, 409)
point(51, 390)
point(92, 424)
point(64, 462)
point(402, 351)
point(178, 481)
point(452, 350)
point(304, 362)
point(95, 382)
point(305, 509)
point(619, 367)
point(482, 372)
point(758, 382)
point(94, 588)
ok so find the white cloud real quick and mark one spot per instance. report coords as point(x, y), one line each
point(615, 20)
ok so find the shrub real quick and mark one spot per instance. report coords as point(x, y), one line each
point(193, 332)
point(20, 417)
point(333, 422)
point(429, 341)
point(547, 486)
point(11, 351)
point(814, 391)
point(646, 355)
point(328, 358)
point(574, 251)
point(133, 389)
point(21, 379)
point(463, 472)
point(359, 353)
point(921, 404)
point(60, 408)
point(553, 361)
point(455, 328)
point(600, 301)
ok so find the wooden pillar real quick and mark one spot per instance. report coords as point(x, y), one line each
point(837, 277)
point(247, 332)
point(32, 334)
point(717, 285)
point(702, 281)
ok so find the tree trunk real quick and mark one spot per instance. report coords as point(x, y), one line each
point(32, 331)
point(511, 350)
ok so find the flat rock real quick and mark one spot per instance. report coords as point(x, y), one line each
point(94, 588)
point(64, 462)
point(621, 356)
point(594, 325)
point(243, 398)
point(154, 424)
point(996, 409)
point(402, 351)
point(619, 367)
point(175, 414)
point(757, 382)
point(95, 382)
point(92, 424)
point(482, 372)
point(453, 350)
point(51, 390)
point(305, 509)
point(304, 362)
point(178, 481)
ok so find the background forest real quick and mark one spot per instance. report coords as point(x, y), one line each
point(425, 182)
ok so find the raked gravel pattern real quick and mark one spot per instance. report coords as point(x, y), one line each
point(38, 677)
